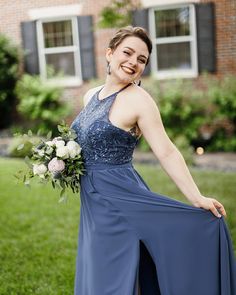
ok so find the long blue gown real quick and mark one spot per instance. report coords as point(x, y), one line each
point(131, 237)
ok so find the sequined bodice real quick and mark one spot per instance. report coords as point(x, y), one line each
point(100, 140)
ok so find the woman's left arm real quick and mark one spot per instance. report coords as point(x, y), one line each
point(150, 123)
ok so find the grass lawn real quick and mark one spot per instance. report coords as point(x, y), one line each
point(38, 235)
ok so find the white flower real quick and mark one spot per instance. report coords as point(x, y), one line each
point(56, 165)
point(39, 169)
point(74, 148)
point(57, 138)
point(72, 144)
point(60, 143)
point(72, 153)
point(62, 152)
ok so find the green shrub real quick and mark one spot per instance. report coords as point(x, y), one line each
point(205, 116)
point(182, 109)
point(40, 103)
point(222, 94)
point(9, 69)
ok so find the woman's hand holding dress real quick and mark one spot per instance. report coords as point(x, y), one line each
point(170, 158)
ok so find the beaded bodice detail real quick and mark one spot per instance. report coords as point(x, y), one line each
point(100, 140)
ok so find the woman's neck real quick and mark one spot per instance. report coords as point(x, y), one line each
point(112, 85)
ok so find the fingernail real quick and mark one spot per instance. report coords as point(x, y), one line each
point(219, 215)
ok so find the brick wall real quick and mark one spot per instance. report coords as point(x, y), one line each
point(13, 12)
point(225, 35)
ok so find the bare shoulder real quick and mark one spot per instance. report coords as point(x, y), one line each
point(141, 99)
point(88, 95)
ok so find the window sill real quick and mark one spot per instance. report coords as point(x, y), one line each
point(174, 74)
point(64, 82)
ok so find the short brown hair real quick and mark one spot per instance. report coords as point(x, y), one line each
point(131, 31)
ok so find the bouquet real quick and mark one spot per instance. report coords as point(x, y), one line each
point(56, 160)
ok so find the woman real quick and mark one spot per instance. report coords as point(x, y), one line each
point(131, 238)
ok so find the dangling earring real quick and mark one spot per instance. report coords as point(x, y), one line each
point(138, 82)
point(108, 69)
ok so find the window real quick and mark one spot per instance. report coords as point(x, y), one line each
point(173, 32)
point(59, 56)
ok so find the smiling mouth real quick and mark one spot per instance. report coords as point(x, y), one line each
point(128, 70)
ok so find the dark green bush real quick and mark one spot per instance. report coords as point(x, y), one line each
point(205, 116)
point(9, 69)
point(222, 94)
point(41, 104)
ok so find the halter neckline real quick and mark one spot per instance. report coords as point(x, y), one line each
point(115, 93)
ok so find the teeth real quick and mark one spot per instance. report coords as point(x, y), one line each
point(128, 70)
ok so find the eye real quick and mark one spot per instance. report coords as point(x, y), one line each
point(126, 52)
point(142, 61)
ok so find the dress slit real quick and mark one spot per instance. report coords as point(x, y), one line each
point(148, 278)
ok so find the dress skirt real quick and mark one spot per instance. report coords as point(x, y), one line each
point(134, 241)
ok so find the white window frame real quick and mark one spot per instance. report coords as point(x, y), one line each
point(192, 38)
point(75, 48)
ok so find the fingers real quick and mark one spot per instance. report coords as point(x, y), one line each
point(215, 212)
point(219, 207)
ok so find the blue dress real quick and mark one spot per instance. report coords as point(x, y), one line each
point(134, 241)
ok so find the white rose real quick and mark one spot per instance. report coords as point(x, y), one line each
point(39, 169)
point(72, 145)
point(73, 148)
point(62, 152)
point(60, 143)
point(72, 153)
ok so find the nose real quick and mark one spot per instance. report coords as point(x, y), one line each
point(133, 61)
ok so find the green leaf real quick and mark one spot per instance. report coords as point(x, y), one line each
point(53, 184)
point(63, 199)
point(20, 147)
point(30, 133)
point(49, 135)
point(27, 183)
point(27, 162)
point(62, 192)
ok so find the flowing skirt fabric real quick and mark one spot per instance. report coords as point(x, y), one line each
point(134, 241)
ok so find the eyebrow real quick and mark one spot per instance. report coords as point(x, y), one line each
point(134, 51)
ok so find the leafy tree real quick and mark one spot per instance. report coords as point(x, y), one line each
point(9, 71)
point(118, 14)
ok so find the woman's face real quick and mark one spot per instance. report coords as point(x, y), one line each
point(128, 60)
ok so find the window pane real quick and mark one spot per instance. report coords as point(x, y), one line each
point(174, 56)
point(58, 34)
point(60, 63)
point(172, 22)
